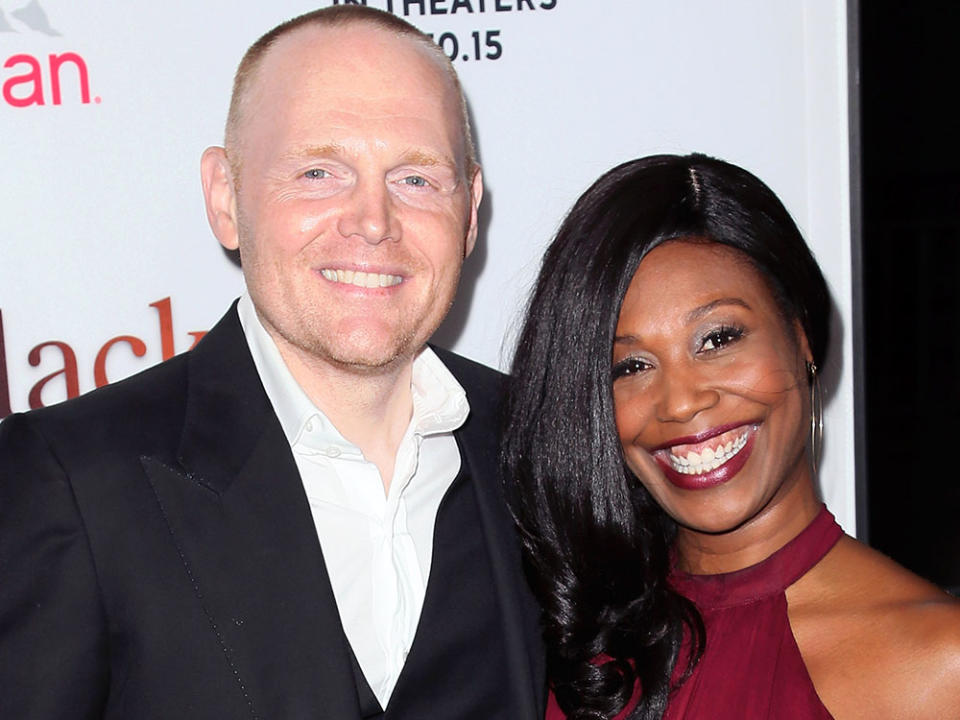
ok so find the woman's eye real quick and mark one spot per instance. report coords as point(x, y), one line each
point(721, 338)
point(630, 366)
point(316, 174)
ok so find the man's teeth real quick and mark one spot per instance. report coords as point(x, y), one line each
point(361, 279)
point(709, 459)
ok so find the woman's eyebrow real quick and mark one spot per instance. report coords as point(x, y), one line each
point(699, 312)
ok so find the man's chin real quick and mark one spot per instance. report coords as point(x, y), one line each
point(368, 364)
point(371, 360)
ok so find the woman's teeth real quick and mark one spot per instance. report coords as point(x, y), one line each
point(709, 458)
point(361, 279)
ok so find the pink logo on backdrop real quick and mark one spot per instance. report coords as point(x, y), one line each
point(58, 78)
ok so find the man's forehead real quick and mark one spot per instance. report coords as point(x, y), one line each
point(352, 49)
point(319, 76)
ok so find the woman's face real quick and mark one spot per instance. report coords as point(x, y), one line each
point(709, 388)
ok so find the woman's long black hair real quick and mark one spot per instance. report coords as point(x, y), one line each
point(596, 545)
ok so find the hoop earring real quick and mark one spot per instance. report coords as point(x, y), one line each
point(816, 415)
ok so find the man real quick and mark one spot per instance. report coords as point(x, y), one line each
point(247, 530)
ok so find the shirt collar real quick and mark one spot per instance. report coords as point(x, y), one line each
point(439, 401)
point(291, 404)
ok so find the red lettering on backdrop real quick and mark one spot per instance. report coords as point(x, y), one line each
point(56, 62)
point(165, 316)
point(5, 408)
point(34, 76)
point(69, 372)
point(100, 363)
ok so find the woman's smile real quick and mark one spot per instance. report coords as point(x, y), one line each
point(693, 464)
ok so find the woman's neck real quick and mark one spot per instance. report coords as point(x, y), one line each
point(787, 514)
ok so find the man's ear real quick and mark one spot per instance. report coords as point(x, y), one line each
point(476, 194)
point(220, 196)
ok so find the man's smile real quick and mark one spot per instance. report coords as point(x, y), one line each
point(360, 278)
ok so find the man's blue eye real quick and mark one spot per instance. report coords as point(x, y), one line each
point(316, 174)
point(415, 180)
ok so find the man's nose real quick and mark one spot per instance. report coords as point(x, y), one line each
point(369, 214)
point(685, 392)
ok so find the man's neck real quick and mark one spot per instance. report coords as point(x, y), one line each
point(371, 409)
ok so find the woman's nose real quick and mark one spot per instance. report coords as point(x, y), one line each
point(685, 393)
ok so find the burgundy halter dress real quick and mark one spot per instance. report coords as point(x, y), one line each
point(751, 668)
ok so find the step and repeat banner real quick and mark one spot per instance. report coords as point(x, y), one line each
point(107, 265)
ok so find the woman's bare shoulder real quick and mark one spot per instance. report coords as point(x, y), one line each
point(878, 640)
point(865, 576)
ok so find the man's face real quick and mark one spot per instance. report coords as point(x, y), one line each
point(354, 210)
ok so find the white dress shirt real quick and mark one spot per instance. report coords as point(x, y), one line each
point(377, 547)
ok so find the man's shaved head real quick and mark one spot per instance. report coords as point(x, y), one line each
point(333, 17)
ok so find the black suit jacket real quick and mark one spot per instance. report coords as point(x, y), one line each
point(158, 557)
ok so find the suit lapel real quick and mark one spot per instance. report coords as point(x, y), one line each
point(235, 506)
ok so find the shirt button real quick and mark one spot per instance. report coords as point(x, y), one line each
point(333, 451)
point(309, 425)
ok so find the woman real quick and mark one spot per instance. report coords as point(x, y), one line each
point(661, 450)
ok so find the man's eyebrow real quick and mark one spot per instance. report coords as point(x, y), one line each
point(699, 312)
point(315, 151)
point(411, 157)
point(426, 159)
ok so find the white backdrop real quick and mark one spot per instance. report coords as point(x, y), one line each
point(106, 261)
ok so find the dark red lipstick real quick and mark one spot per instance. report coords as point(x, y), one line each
point(714, 477)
